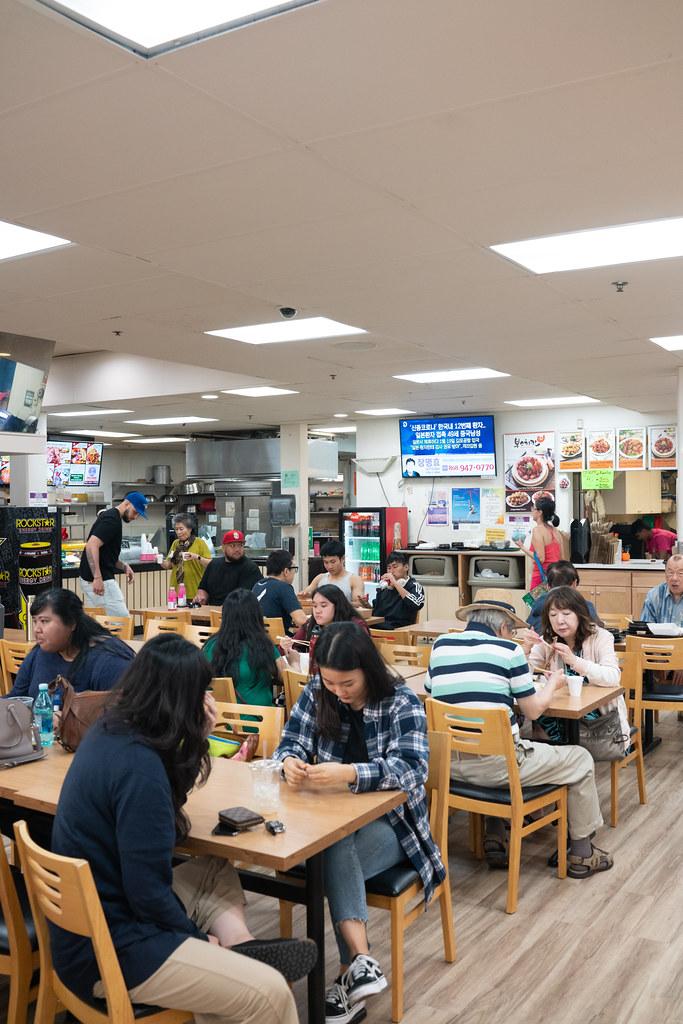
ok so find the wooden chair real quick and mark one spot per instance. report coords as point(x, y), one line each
point(399, 889)
point(632, 682)
point(402, 654)
point(155, 626)
point(198, 634)
point(62, 891)
point(118, 625)
point(658, 657)
point(294, 684)
point(215, 617)
point(18, 941)
point(388, 636)
point(94, 610)
point(611, 620)
point(275, 628)
point(224, 689)
point(267, 721)
point(170, 614)
point(12, 653)
point(485, 731)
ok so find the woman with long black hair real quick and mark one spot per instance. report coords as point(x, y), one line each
point(69, 643)
point(243, 650)
point(329, 604)
point(179, 933)
point(358, 725)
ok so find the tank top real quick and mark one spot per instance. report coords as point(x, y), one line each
point(343, 582)
point(553, 552)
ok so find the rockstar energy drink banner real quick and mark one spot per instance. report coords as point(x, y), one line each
point(30, 559)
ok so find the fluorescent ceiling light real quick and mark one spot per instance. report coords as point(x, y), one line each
point(341, 415)
point(438, 376)
point(385, 412)
point(158, 440)
point(16, 241)
point(529, 403)
point(598, 247)
point(209, 398)
point(165, 421)
point(264, 392)
point(99, 433)
point(91, 412)
point(151, 27)
point(332, 430)
point(287, 330)
point(674, 343)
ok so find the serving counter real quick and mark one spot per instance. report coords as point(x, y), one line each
point(619, 589)
point(150, 586)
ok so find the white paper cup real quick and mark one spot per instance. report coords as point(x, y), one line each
point(186, 555)
point(303, 661)
point(574, 685)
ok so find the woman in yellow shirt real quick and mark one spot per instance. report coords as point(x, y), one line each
point(187, 556)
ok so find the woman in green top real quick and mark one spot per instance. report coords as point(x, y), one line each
point(188, 556)
point(243, 650)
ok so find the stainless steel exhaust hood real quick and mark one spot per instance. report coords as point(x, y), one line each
point(252, 459)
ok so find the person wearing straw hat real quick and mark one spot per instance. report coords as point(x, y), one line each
point(484, 667)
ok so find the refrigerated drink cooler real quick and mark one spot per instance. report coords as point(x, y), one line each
point(369, 535)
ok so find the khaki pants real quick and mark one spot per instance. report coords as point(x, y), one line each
point(215, 984)
point(540, 764)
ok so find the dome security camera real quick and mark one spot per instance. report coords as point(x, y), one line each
point(288, 312)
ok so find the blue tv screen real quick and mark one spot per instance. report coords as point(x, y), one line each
point(448, 446)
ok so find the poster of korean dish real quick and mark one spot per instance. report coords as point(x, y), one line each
point(600, 449)
point(571, 451)
point(529, 469)
point(631, 448)
point(662, 447)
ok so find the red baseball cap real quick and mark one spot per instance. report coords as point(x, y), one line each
point(233, 537)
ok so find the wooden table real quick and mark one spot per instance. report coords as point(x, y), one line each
point(432, 627)
point(409, 671)
point(313, 821)
point(199, 616)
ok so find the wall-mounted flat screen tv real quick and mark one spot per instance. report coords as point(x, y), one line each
point(448, 446)
point(21, 396)
point(74, 463)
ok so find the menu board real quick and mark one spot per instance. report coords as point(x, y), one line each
point(631, 448)
point(74, 463)
point(571, 451)
point(529, 469)
point(662, 447)
point(600, 449)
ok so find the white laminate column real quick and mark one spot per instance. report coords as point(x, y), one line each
point(294, 465)
point(679, 486)
point(29, 472)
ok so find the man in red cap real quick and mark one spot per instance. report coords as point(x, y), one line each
point(223, 575)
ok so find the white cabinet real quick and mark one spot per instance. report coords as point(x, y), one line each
point(636, 493)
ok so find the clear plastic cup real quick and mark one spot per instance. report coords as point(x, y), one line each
point(266, 778)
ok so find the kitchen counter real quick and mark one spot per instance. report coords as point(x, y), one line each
point(634, 565)
point(74, 572)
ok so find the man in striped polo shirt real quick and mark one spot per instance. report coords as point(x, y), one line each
point(483, 667)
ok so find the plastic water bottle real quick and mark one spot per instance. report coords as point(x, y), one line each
point(182, 596)
point(42, 711)
point(172, 600)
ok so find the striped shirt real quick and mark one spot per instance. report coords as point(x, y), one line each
point(661, 606)
point(478, 669)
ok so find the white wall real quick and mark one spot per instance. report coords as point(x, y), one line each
point(380, 438)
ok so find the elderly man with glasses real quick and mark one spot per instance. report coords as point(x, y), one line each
point(664, 603)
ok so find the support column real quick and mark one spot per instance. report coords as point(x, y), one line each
point(29, 472)
point(679, 484)
point(294, 480)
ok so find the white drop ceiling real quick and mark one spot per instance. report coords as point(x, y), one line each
point(355, 160)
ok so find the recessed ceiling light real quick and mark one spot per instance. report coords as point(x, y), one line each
point(90, 412)
point(264, 392)
point(154, 28)
point(99, 433)
point(209, 398)
point(385, 412)
point(341, 415)
point(16, 241)
point(598, 247)
point(437, 376)
point(529, 403)
point(351, 429)
point(166, 420)
point(674, 343)
point(287, 330)
point(158, 440)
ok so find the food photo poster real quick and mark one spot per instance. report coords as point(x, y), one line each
point(600, 446)
point(571, 451)
point(529, 469)
point(663, 447)
point(631, 448)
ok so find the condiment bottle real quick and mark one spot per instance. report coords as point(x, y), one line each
point(172, 601)
point(182, 596)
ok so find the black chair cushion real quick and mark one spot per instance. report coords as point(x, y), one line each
point(139, 1009)
point(393, 881)
point(26, 911)
point(497, 795)
point(670, 698)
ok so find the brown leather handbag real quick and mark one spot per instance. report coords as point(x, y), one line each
point(79, 711)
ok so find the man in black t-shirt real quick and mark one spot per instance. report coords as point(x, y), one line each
point(100, 559)
point(275, 593)
point(232, 571)
point(401, 597)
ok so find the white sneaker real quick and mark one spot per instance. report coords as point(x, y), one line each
point(363, 978)
point(338, 1009)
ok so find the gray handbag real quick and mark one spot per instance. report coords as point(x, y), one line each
point(19, 737)
point(603, 737)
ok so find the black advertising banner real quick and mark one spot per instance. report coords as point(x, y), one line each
point(30, 558)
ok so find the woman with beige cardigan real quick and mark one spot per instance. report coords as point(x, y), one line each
point(575, 644)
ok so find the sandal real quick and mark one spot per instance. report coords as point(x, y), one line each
point(583, 867)
point(496, 852)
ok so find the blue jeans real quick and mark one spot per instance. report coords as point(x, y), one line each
point(348, 863)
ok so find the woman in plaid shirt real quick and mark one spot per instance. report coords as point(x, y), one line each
point(356, 723)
